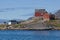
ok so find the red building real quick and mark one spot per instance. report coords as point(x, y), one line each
point(42, 13)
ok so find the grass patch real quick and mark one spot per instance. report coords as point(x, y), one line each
point(55, 23)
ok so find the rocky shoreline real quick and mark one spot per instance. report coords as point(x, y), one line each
point(30, 29)
point(37, 25)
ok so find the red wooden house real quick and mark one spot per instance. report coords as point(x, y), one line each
point(42, 13)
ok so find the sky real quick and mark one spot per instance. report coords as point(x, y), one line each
point(23, 9)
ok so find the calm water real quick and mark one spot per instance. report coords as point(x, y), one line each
point(29, 35)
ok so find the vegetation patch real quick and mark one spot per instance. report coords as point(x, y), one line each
point(55, 23)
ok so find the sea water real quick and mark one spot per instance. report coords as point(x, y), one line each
point(29, 35)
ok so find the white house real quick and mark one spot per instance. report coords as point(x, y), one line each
point(10, 22)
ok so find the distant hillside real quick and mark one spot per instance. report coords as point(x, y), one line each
point(2, 21)
point(58, 14)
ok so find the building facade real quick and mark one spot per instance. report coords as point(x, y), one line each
point(42, 13)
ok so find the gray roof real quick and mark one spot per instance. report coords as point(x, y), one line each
point(40, 10)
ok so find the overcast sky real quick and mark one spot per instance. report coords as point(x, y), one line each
point(23, 9)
